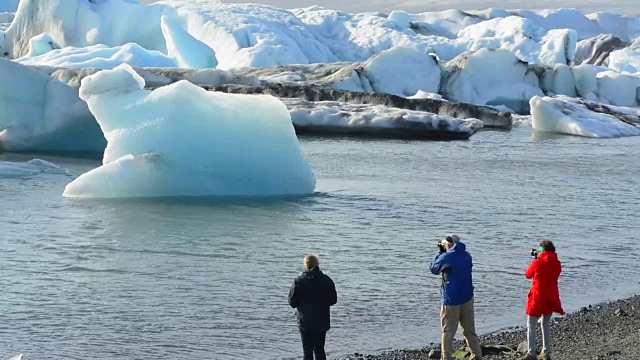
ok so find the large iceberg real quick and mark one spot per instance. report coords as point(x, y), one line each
point(181, 140)
point(583, 118)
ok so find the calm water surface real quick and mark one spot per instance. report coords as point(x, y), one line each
point(203, 280)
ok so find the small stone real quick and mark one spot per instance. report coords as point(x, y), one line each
point(620, 312)
point(523, 348)
point(434, 354)
point(583, 309)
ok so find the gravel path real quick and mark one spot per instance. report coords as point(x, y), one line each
point(607, 331)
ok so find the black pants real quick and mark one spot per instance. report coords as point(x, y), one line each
point(313, 343)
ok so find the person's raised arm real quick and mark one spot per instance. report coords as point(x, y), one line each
point(439, 263)
point(531, 269)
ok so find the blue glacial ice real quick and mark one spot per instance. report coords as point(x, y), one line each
point(181, 140)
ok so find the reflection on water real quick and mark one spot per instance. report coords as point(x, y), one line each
point(208, 279)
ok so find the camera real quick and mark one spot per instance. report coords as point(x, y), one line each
point(441, 247)
point(535, 253)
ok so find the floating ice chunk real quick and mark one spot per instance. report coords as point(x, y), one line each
point(570, 116)
point(619, 89)
point(101, 57)
point(490, 77)
point(181, 140)
point(329, 117)
point(30, 168)
point(402, 71)
point(188, 51)
point(40, 113)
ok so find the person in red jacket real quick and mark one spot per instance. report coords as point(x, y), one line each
point(544, 298)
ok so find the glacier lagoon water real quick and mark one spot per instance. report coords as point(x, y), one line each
point(197, 279)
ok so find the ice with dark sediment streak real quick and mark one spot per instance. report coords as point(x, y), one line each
point(583, 118)
point(330, 117)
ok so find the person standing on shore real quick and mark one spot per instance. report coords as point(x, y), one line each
point(454, 263)
point(312, 294)
point(544, 298)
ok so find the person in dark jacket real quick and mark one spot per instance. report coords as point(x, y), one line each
point(544, 297)
point(312, 293)
point(454, 263)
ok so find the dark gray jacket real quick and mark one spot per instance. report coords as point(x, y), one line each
point(312, 293)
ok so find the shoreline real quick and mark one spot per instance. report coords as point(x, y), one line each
point(605, 331)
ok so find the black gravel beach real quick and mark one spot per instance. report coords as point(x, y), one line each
point(606, 331)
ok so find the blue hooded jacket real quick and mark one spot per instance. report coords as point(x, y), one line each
point(455, 266)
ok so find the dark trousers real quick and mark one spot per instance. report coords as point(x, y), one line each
point(313, 343)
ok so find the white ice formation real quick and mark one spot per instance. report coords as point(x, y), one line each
point(565, 115)
point(28, 169)
point(181, 140)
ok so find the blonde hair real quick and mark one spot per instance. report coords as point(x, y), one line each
point(311, 261)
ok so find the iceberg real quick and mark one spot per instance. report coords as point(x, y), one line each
point(181, 140)
point(335, 118)
point(39, 113)
point(28, 169)
point(81, 23)
point(565, 115)
point(490, 77)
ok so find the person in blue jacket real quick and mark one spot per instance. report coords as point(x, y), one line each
point(454, 264)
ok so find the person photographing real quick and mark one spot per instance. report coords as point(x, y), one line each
point(454, 264)
point(544, 297)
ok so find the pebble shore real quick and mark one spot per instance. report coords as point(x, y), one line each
point(606, 331)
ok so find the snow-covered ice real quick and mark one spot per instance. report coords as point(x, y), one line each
point(254, 35)
point(181, 140)
point(98, 56)
point(569, 116)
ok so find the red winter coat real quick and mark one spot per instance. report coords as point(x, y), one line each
point(544, 298)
